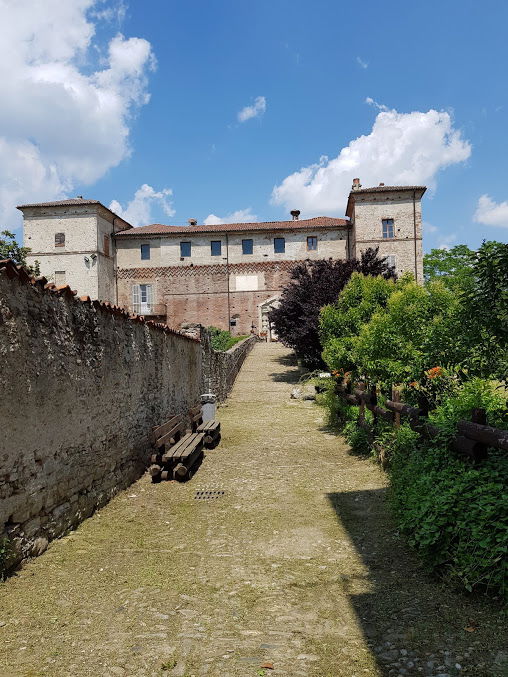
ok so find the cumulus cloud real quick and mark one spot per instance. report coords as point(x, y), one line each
point(254, 111)
point(491, 213)
point(401, 148)
point(240, 216)
point(139, 209)
point(67, 101)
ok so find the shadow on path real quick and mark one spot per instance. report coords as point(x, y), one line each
point(413, 625)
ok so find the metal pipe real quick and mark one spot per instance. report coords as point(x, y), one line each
point(227, 274)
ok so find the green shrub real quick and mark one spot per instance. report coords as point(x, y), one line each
point(357, 438)
point(222, 340)
point(455, 515)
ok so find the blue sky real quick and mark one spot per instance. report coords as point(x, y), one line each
point(139, 106)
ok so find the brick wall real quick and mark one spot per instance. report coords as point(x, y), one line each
point(199, 294)
point(82, 384)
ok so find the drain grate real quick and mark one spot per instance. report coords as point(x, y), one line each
point(208, 494)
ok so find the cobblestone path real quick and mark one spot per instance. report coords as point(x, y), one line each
point(296, 566)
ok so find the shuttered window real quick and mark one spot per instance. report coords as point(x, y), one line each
point(59, 239)
point(59, 277)
point(106, 245)
point(142, 302)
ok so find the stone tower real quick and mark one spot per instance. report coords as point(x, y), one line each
point(72, 241)
point(388, 217)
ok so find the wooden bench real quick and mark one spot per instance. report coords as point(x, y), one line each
point(176, 450)
point(210, 429)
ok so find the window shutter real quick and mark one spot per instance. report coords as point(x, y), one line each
point(149, 295)
point(136, 304)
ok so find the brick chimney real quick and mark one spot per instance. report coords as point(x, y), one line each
point(192, 222)
point(295, 213)
point(356, 184)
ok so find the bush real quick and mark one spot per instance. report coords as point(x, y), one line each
point(222, 340)
point(455, 515)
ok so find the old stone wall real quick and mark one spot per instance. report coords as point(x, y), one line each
point(220, 369)
point(82, 384)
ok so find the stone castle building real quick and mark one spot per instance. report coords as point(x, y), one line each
point(227, 275)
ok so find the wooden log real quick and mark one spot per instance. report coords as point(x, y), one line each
point(492, 437)
point(361, 413)
point(166, 475)
point(383, 413)
point(471, 448)
point(156, 459)
point(403, 409)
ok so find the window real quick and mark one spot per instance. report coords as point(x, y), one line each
point(106, 245)
point(388, 229)
point(279, 245)
point(312, 243)
point(145, 252)
point(185, 249)
point(216, 247)
point(60, 278)
point(390, 260)
point(142, 299)
point(247, 246)
point(59, 239)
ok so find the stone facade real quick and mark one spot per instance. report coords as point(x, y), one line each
point(203, 274)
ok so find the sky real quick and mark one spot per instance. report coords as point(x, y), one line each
point(241, 110)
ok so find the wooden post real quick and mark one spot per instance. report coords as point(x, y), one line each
point(396, 414)
point(373, 402)
point(480, 416)
point(361, 413)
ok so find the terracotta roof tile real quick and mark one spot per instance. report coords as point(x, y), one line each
point(62, 203)
point(301, 224)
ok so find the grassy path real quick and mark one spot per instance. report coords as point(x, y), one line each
point(298, 565)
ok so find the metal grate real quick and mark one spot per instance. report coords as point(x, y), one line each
point(208, 494)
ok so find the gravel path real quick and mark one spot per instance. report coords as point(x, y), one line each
point(296, 567)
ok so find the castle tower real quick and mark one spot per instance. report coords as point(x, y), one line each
point(388, 217)
point(72, 241)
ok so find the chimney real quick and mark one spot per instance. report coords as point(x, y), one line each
point(381, 184)
point(295, 213)
point(192, 222)
point(79, 197)
point(356, 184)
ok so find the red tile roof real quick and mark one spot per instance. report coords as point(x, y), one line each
point(62, 203)
point(72, 202)
point(301, 224)
point(379, 189)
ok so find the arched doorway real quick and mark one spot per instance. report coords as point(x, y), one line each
point(266, 330)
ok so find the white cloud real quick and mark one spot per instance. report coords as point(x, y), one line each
point(240, 216)
point(491, 213)
point(429, 228)
point(254, 111)
point(139, 209)
point(361, 62)
point(64, 119)
point(401, 149)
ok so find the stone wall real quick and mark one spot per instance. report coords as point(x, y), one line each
point(220, 369)
point(82, 384)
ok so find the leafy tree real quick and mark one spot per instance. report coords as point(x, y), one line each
point(313, 285)
point(10, 249)
point(452, 266)
point(484, 318)
point(340, 322)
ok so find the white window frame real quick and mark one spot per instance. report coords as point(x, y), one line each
point(142, 299)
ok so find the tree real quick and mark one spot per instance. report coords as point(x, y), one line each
point(452, 266)
point(314, 284)
point(10, 249)
point(484, 317)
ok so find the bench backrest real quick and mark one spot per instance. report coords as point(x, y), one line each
point(196, 417)
point(168, 432)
